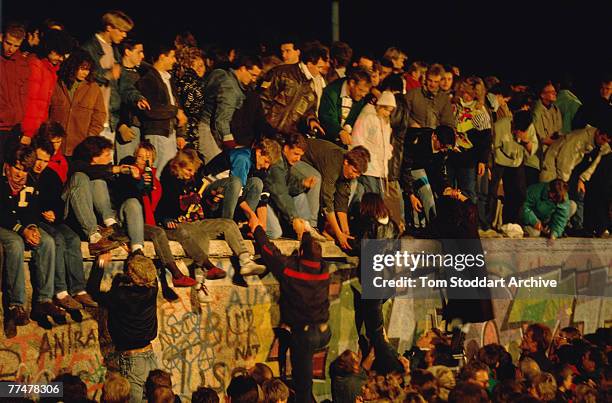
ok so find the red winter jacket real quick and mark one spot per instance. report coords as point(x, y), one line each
point(43, 76)
point(14, 74)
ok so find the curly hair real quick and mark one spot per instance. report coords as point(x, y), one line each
point(69, 68)
point(185, 57)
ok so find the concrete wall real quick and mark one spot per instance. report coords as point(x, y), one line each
point(205, 344)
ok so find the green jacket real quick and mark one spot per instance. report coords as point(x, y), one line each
point(539, 207)
point(330, 110)
point(568, 103)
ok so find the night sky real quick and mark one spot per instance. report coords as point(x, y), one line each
point(515, 40)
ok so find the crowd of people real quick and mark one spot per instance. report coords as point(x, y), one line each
point(322, 144)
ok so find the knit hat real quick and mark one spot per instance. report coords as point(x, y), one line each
point(386, 99)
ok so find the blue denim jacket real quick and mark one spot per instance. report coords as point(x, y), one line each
point(223, 95)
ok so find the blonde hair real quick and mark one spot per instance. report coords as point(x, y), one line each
point(394, 53)
point(118, 20)
point(474, 87)
point(184, 158)
point(116, 389)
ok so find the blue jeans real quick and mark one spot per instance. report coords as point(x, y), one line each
point(165, 148)
point(127, 149)
point(207, 144)
point(275, 225)
point(85, 197)
point(304, 343)
point(69, 275)
point(301, 170)
point(231, 193)
point(131, 214)
point(135, 368)
point(42, 267)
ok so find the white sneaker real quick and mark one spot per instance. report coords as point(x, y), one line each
point(203, 295)
point(251, 268)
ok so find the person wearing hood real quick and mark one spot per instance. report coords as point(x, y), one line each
point(373, 131)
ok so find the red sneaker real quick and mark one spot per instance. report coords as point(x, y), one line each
point(215, 273)
point(184, 281)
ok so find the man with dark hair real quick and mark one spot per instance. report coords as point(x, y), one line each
point(304, 302)
point(224, 93)
point(475, 372)
point(423, 170)
point(338, 169)
point(164, 121)
point(69, 281)
point(204, 395)
point(513, 142)
point(114, 26)
point(13, 81)
point(294, 199)
point(341, 104)
point(18, 231)
point(290, 93)
point(132, 317)
point(341, 55)
point(242, 389)
point(54, 46)
point(290, 51)
point(132, 68)
point(428, 106)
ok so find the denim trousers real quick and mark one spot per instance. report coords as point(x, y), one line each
point(301, 170)
point(165, 148)
point(85, 197)
point(69, 275)
point(131, 214)
point(276, 225)
point(42, 267)
point(232, 189)
point(304, 343)
point(207, 145)
point(135, 368)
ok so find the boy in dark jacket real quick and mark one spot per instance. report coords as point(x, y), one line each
point(304, 302)
point(18, 231)
point(69, 281)
point(162, 124)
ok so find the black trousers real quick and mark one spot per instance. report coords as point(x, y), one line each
point(304, 343)
point(515, 191)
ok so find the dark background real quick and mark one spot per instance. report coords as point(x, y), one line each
point(517, 41)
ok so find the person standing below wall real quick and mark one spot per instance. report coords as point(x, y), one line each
point(132, 317)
